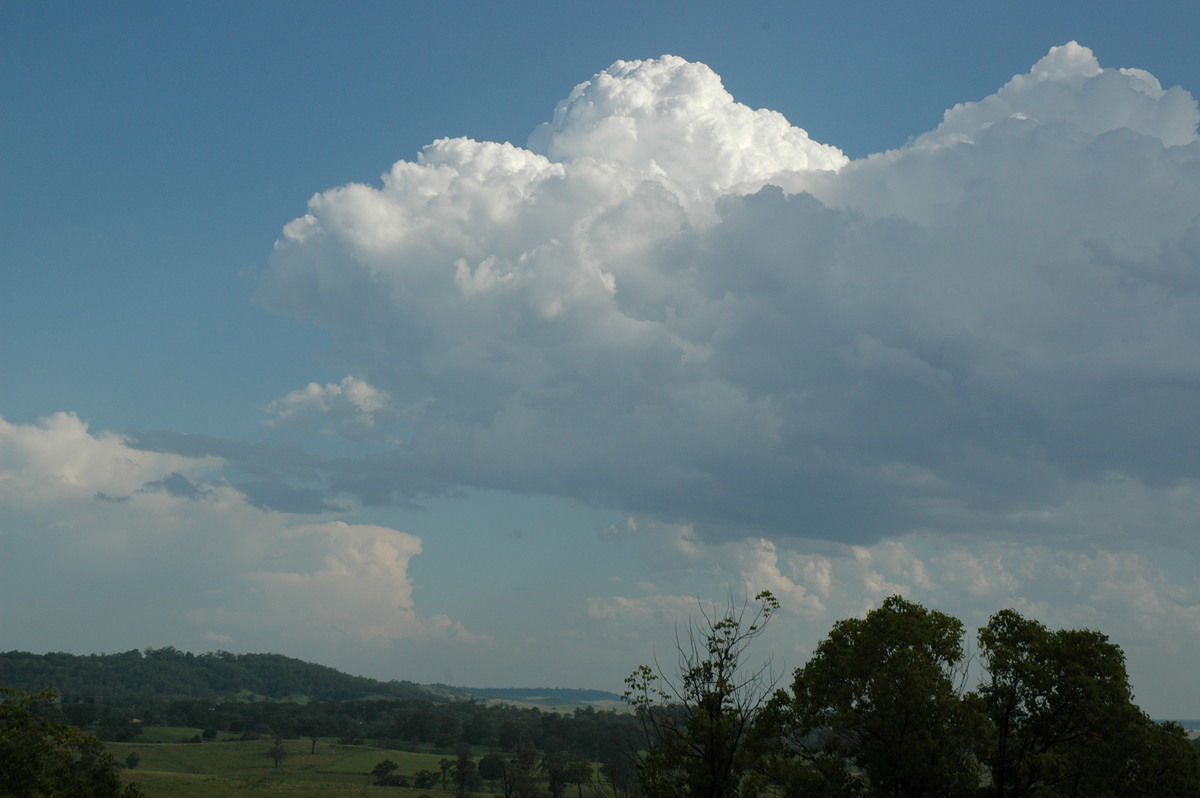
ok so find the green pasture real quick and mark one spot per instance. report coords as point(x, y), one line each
point(175, 734)
point(158, 784)
point(244, 769)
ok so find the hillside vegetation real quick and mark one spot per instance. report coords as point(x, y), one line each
point(167, 673)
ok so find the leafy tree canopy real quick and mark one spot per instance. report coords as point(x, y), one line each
point(42, 757)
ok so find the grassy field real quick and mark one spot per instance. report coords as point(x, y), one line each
point(189, 770)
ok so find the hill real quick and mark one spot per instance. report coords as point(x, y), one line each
point(167, 673)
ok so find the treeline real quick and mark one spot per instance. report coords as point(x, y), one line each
point(888, 705)
point(410, 724)
point(415, 724)
point(166, 673)
point(115, 696)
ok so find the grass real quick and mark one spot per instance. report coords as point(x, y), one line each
point(158, 784)
point(176, 734)
point(189, 770)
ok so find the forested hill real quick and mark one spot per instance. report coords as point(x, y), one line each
point(167, 673)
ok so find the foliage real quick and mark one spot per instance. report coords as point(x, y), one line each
point(563, 770)
point(620, 773)
point(43, 757)
point(1064, 720)
point(885, 693)
point(385, 775)
point(520, 776)
point(465, 772)
point(166, 673)
point(277, 752)
point(695, 726)
point(491, 767)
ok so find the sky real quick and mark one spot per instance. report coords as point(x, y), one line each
point(483, 343)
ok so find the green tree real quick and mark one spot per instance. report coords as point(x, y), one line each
point(491, 767)
point(520, 778)
point(620, 771)
point(563, 770)
point(277, 752)
point(313, 727)
point(40, 757)
point(383, 773)
point(1064, 720)
point(1162, 762)
point(882, 695)
point(695, 725)
point(465, 771)
point(578, 772)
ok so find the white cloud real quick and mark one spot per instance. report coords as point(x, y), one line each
point(162, 542)
point(988, 331)
point(1069, 87)
point(361, 587)
point(675, 121)
point(353, 407)
point(59, 457)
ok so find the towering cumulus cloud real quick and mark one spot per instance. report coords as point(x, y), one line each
point(673, 304)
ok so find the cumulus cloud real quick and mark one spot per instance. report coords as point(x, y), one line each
point(161, 541)
point(361, 587)
point(674, 120)
point(674, 305)
point(353, 408)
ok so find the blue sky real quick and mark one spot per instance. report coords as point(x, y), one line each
point(502, 417)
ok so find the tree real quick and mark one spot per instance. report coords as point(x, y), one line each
point(277, 752)
point(520, 777)
point(1163, 762)
point(882, 695)
point(578, 772)
point(620, 771)
point(562, 770)
point(384, 774)
point(41, 757)
point(465, 772)
point(491, 767)
point(312, 727)
point(1064, 720)
point(695, 725)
